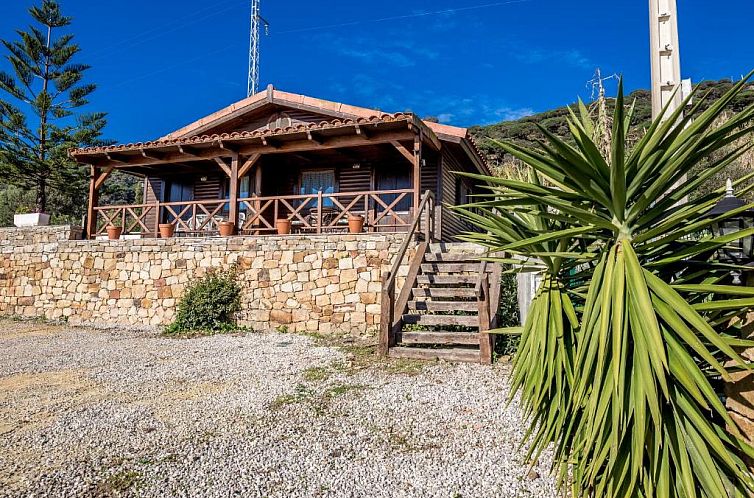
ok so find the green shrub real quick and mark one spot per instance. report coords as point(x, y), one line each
point(209, 305)
point(508, 315)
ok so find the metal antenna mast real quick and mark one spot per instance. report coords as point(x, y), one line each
point(256, 20)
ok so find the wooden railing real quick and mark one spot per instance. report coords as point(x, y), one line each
point(188, 217)
point(316, 213)
point(391, 308)
point(488, 303)
point(323, 213)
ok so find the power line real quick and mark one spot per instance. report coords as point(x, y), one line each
point(405, 16)
point(143, 37)
point(315, 28)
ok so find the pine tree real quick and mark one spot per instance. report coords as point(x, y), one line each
point(41, 121)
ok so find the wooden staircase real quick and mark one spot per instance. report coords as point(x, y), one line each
point(447, 303)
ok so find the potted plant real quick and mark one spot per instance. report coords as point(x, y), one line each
point(226, 228)
point(283, 225)
point(113, 231)
point(26, 217)
point(167, 230)
point(355, 223)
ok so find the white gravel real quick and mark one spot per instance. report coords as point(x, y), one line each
point(119, 413)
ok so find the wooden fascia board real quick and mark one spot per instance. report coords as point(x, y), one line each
point(475, 157)
point(247, 150)
point(201, 126)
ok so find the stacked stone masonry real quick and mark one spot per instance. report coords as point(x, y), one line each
point(323, 283)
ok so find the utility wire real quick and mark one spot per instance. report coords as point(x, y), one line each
point(316, 28)
point(405, 16)
point(143, 37)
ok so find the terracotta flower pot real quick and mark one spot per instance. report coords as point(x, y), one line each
point(113, 232)
point(355, 223)
point(166, 230)
point(226, 228)
point(283, 226)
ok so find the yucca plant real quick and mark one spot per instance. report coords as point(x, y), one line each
point(634, 318)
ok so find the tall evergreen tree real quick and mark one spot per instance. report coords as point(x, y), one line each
point(39, 121)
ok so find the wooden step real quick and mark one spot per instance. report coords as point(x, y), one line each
point(446, 292)
point(438, 337)
point(443, 305)
point(452, 354)
point(447, 279)
point(434, 320)
point(451, 267)
point(452, 257)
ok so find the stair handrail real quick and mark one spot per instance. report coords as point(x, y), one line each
point(428, 199)
point(482, 291)
point(426, 209)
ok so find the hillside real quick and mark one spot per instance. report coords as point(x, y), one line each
point(525, 131)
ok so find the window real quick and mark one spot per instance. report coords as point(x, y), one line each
point(179, 192)
point(244, 188)
point(313, 182)
point(463, 192)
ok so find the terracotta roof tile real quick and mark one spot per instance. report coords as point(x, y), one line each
point(236, 135)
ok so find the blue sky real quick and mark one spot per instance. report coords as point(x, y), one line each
point(162, 64)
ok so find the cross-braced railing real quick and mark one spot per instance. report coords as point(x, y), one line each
point(325, 213)
point(381, 211)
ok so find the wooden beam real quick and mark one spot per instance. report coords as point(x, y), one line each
point(91, 217)
point(302, 158)
point(227, 146)
point(234, 180)
point(103, 176)
point(313, 138)
point(186, 154)
point(417, 172)
point(246, 167)
point(188, 151)
point(152, 154)
point(404, 151)
point(223, 165)
point(114, 158)
point(268, 142)
point(361, 131)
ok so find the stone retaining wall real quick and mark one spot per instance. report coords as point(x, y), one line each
point(38, 235)
point(325, 283)
point(740, 392)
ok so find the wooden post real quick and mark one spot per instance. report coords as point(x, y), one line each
point(157, 218)
point(91, 215)
point(428, 222)
point(386, 314)
point(417, 172)
point(258, 192)
point(319, 211)
point(485, 339)
point(233, 215)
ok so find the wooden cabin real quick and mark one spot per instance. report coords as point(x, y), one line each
point(278, 155)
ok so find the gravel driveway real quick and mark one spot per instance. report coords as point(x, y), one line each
point(119, 413)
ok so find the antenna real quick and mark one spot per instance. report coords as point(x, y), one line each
point(256, 19)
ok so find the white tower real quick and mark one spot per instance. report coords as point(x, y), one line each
point(665, 56)
point(256, 20)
